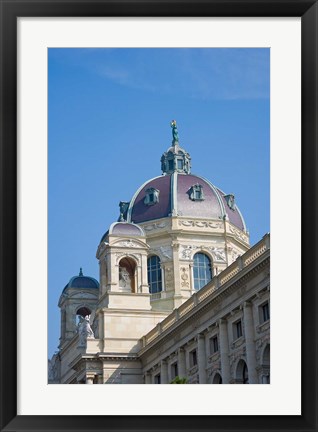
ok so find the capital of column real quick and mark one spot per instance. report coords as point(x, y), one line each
point(247, 304)
point(181, 350)
point(222, 321)
point(199, 336)
point(90, 379)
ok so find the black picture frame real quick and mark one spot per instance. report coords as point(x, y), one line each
point(10, 11)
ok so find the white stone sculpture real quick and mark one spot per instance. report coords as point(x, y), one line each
point(85, 331)
point(124, 279)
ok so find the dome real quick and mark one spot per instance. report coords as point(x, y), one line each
point(126, 229)
point(176, 192)
point(82, 282)
point(186, 195)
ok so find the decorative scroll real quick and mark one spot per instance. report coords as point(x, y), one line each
point(200, 224)
point(155, 226)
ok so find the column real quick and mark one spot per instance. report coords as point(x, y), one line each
point(176, 270)
point(144, 277)
point(224, 351)
point(164, 372)
point(201, 359)
point(250, 343)
point(102, 275)
point(90, 379)
point(182, 372)
point(148, 378)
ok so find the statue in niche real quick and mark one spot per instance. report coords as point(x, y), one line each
point(85, 331)
point(124, 279)
point(175, 135)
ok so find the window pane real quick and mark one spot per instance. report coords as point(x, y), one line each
point(266, 312)
point(238, 329)
point(202, 271)
point(154, 274)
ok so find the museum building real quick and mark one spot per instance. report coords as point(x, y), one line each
point(181, 294)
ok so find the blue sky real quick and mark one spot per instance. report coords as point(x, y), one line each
point(109, 123)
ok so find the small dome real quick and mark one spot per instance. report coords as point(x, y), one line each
point(126, 229)
point(82, 282)
point(123, 229)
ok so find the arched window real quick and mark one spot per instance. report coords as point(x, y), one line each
point(245, 374)
point(81, 313)
point(202, 271)
point(217, 379)
point(154, 274)
point(242, 373)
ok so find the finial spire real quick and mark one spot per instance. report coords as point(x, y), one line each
point(81, 272)
point(175, 159)
point(175, 135)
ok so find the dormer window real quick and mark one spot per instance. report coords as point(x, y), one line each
point(196, 192)
point(152, 196)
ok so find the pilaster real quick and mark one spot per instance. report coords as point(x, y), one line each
point(182, 363)
point(224, 351)
point(250, 343)
point(201, 358)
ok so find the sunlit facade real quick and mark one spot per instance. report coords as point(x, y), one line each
point(181, 295)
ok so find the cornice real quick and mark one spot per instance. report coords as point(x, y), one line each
point(215, 297)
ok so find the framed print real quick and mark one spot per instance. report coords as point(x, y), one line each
point(182, 294)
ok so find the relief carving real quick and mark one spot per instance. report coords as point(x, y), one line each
point(200, 224)
point(128, 243)
point(238, 233)
point(155, 226)
point(120, 255)
point(184, 277)
point(164, 252)
point(186, 251)
point(233, 253)
point(217, 253)
point(168, 277)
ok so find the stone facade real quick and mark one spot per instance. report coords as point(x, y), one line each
point(180, 292)
point(220, 334)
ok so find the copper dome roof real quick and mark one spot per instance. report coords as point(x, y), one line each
point(175, 199)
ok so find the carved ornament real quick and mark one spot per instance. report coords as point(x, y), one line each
point(168, 277)
point(200, 224)
point(154, 226)
point(238, 233)
point(184, 277)
point(165, 252)
point(128, 243)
